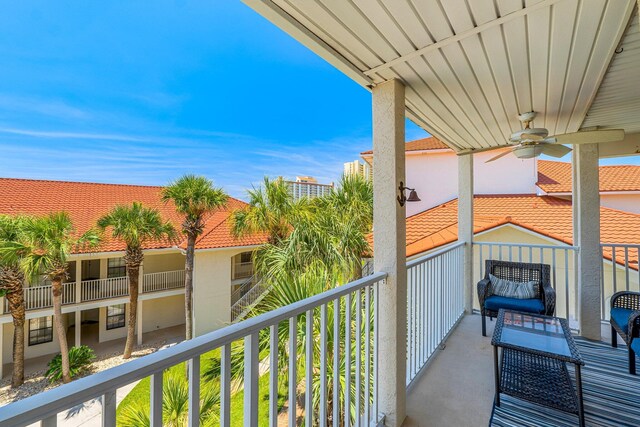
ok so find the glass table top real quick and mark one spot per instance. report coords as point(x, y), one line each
point(549, 335)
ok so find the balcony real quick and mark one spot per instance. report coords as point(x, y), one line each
point(449, 372)
point(40, 297)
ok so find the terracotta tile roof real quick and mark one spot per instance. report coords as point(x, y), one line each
point(555, 177)
point(546, 215)
point(431, 143)
point(86, 202)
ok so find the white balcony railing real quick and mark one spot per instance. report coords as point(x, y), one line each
point(619, 270)
point(92, 290)
point(353, 392)
point(40, 297)
point(242, 270)
point(435, 303)
point(163, 281)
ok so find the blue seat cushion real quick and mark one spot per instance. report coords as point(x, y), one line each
point(621, 317)
point(635, 346)
point(496, 302)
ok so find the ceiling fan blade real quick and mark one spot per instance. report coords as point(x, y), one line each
point(555, 150)
point(592, 136)
point(532, 137)
point(498, 156)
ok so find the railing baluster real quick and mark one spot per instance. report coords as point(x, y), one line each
point(336, 362)
point(358, 375)
point(156, 400)
point(347, 363)
point(51, 421)
point(308, 395)
point(323, 366)
point(273, 376)
point(225, 386)
point(293, 358)
point(367, 356)
point(109, 409)
point(194, 392)
point(251, 380)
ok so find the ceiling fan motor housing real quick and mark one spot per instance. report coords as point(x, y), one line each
point(517, 136)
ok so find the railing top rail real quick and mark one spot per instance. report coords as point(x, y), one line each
point(163, 272)
point(621, 245)
point(526, 245)
point(42, 405)
point(436, 254)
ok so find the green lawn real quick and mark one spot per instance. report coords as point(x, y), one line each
point(140, 393)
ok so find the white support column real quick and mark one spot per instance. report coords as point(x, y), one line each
point(139, 312)
point(78, 335)
point(389, 227)
point(586, 232)
point(139, 322)
point(78, 281)
point(465, 224)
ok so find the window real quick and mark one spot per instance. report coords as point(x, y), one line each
point(40, 330)
point(115, 316)
point(116, 267)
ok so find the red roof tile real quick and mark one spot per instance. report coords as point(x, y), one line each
point(431, 143)
point(546, 215)
point(555, 177)
point(86, 202)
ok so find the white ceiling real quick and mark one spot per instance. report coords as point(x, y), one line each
point(470, 66)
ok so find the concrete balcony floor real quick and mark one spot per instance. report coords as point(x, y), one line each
point(457, 387)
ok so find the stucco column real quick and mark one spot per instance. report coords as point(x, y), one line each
point(78, 289)
point(78, 330)
point(139, 311)
point(465, 224)
point(586, 232)
point(390, 248)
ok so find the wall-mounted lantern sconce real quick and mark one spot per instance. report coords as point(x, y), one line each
point(413, 196)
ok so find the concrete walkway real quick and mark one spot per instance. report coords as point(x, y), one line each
point(90, 413)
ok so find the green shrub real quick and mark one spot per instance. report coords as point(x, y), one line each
point(80, 358)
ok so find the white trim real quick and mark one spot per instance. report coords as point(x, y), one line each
point(227, 248)
point(602, 193)
point(114, 254)
point(525, 230)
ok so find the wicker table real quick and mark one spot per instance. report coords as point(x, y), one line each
point(535, 350)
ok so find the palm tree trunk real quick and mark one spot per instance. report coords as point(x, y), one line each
point(13, 280)
point(56, 287)
point(133, 271)
point(188, 285)
point(17, 377)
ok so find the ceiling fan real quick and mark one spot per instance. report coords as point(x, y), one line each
point(531, 142)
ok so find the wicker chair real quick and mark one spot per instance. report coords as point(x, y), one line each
point(516, 272)
point(625, 321)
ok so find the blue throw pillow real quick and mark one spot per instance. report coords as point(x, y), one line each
point(518, 290)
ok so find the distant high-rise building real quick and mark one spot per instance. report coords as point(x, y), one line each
point(358, 168)
point(307, 186)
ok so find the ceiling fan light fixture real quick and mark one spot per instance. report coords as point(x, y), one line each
point(527, 151)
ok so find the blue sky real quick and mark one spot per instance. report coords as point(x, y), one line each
point(140, 92)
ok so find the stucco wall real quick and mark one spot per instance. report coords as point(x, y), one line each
point(105, 334)
point(435, 177)
point(162, 313)
point(154, 263)
point(30, 351)
point(212, 289)
point(623, 202)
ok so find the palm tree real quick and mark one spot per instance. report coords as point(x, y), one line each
point(271, 210)
point(47, 243)
point(194, 197)
point(11, 286)
point(135, 224)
